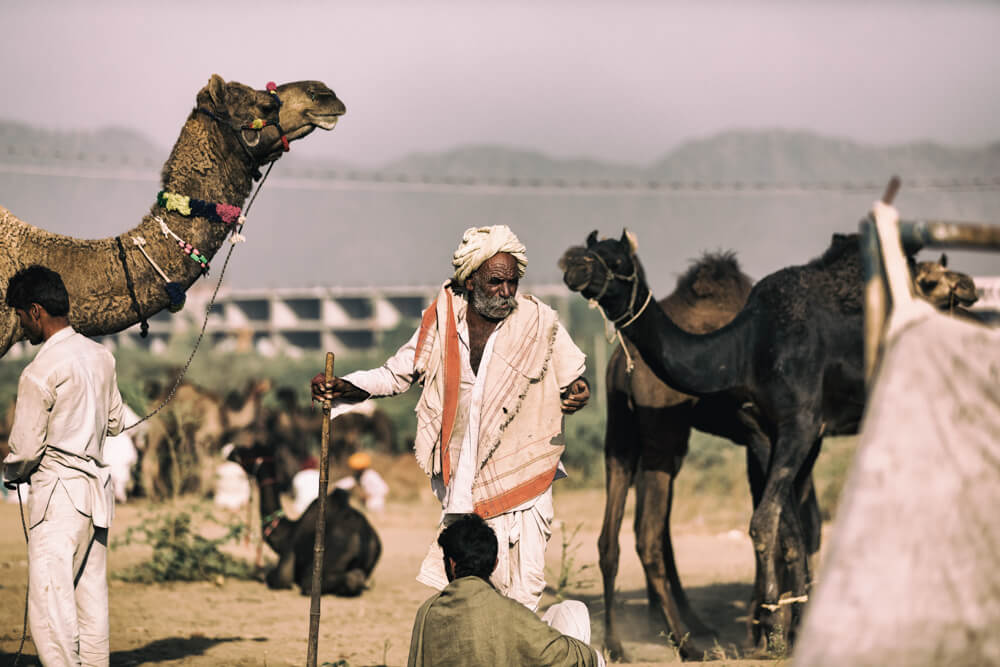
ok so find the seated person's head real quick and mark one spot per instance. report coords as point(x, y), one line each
point(470, 548)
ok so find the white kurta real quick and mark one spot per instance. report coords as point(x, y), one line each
point(67, 403)
point(522, 532)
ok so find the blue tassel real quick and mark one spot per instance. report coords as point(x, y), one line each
point(177, 296)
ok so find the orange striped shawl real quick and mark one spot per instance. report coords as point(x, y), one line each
point(520, 431)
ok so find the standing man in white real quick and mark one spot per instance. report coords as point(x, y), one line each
point(498, 372)
point(67, 403)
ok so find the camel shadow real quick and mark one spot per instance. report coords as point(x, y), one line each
point(173, 648)
point(722, 606)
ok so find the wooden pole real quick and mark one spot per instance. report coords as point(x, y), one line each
point(319, 550)
point(875, 290)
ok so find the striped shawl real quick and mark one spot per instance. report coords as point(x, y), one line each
point(520, 429)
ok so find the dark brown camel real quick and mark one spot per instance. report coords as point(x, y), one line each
point(648, 427)
point(352, 546)
point(793, 354)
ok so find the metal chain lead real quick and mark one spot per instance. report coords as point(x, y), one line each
point(208, 310)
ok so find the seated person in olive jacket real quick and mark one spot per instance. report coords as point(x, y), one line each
point(469, 623)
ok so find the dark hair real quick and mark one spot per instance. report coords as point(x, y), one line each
point(38, 284)
point(472, 544)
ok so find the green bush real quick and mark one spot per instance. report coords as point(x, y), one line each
point(180, 552)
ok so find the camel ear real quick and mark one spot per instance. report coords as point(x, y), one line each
point(592, 239)
point(630, 238)
point(217, 91)
point(944, 260)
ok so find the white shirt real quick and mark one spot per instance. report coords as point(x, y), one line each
point(373, 485)
point(67, 403)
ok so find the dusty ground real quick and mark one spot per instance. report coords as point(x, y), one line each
point(243, 623)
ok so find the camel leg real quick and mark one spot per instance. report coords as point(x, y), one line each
point(742, 424)
point(775, 528)
point(664, 434)
point(621, 454)
point(342, 573)
point(283, 573)
point(755, 475)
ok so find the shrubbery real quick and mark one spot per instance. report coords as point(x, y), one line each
point(180, 551)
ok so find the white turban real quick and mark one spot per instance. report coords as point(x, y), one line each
point(480, 243)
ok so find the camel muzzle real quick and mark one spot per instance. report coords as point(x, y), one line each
point(577, 271)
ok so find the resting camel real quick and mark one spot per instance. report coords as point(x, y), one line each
point(232, 132)
point(646, 439)
point(793, 355)
point(352, 546)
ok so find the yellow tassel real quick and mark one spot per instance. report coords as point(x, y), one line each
point(179, 203)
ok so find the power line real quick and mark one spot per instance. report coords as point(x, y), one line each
point(320, 180)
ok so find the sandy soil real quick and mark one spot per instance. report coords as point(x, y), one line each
point(243, 623)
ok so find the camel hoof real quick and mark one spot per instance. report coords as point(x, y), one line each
point(616, 652)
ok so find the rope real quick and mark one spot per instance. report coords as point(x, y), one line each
point(143, 324)
point(24, 624)
point(208, 308)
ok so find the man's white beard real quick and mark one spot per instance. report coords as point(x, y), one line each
point(492, 307)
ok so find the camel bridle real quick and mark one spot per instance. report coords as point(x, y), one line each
point(235, 237)
point(256, 125)
point(613, 323)
point(611, 275)
point(271, 521)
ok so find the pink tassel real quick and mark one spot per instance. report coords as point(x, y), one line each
point(227, 212)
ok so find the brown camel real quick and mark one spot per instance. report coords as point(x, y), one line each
point(184, 436)
point(793, 355)
point(232, 131)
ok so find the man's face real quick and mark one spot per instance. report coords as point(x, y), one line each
point(31, 323)
point(493, 287)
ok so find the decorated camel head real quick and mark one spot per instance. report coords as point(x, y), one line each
point(606, 271)
point(609, 271)
point(232, 131)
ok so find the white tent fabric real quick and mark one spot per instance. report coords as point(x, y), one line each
point(913, 572)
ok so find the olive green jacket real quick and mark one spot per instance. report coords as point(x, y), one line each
point(469, 624)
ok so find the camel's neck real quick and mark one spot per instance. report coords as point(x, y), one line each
point(692, 363)
point(275, 526)
point(207, 163)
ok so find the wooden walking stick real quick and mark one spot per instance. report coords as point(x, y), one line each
point(320, 546)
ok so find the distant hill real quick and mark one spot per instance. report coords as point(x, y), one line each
point(337, 224)
point(114, 145)
point(766, 156)
point(789, 157)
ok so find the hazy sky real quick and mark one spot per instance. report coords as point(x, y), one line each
point(624, 81)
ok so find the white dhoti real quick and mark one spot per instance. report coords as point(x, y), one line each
point(572, 618)
point(521, 536)
point(67, 582)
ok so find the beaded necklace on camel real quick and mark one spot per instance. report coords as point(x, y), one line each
point(192, 207)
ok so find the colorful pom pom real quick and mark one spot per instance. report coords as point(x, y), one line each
point(177, 297)
point(179, 203)
point(227, 213)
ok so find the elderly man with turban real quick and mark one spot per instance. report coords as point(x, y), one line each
point(498, 372)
